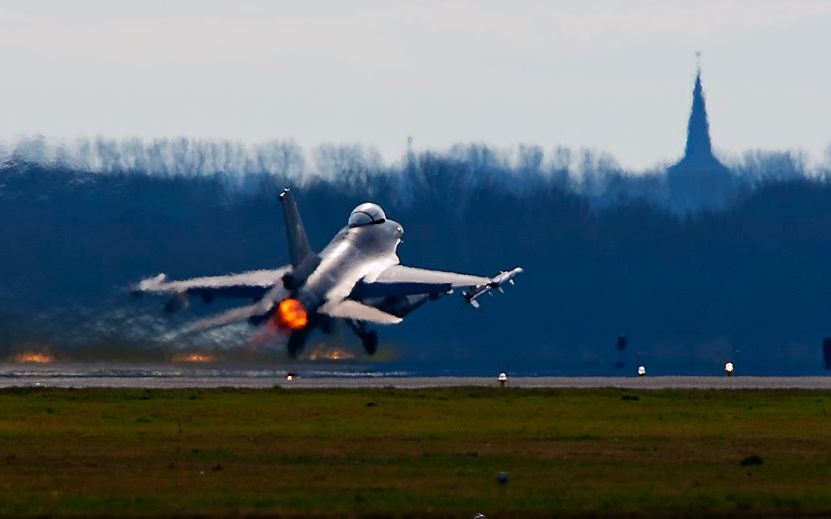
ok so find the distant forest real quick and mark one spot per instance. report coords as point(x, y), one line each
point(606, 252)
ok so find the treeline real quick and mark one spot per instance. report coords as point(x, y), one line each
point(602, 258)
point(520, 169)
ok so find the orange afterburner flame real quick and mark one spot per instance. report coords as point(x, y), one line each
point(292, 314)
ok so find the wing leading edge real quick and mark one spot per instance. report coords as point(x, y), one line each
point(400, 280)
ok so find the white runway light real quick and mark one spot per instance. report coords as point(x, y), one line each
point(503, 379)
point(728, 369)
point(641, 371)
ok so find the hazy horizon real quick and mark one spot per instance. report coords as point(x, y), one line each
point(603, 76)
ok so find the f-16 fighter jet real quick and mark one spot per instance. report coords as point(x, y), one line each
point(357, 278)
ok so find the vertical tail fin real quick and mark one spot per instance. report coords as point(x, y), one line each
point(299, 248)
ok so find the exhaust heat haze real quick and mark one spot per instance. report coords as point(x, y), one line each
point(321, 352)
point(193, 357)
point(31, 357)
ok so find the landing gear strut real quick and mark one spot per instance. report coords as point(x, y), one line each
point(297, 339)
point(368, 337)
point(370, 341)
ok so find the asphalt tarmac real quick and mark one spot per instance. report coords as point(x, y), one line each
point(265, 379)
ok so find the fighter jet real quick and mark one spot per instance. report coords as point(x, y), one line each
point(357, 278)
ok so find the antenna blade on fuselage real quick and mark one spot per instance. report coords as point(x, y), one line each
point(299, 248)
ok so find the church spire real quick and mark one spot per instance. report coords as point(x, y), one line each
point(698, 128)
point(699, 180)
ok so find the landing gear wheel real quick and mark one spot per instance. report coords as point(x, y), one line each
point(370, 340)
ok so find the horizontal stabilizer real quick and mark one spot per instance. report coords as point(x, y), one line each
point(348, 309)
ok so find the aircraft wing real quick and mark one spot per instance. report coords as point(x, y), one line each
point(252, 284)
point(399, 280)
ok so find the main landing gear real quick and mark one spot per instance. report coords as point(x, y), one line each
point(368, 337)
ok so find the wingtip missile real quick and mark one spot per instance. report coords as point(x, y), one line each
point(506, 276)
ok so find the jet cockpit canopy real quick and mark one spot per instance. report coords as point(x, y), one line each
point(366, 214)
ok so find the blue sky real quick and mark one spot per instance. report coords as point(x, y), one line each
point(613, 76)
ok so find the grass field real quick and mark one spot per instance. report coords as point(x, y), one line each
point(380, 452)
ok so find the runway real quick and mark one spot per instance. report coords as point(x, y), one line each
point(651, 383)
point(165, 377)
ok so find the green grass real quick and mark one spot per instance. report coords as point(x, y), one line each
point(413, 452)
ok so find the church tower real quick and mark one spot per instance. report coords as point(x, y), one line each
point(698, 128)
point(699, 180)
